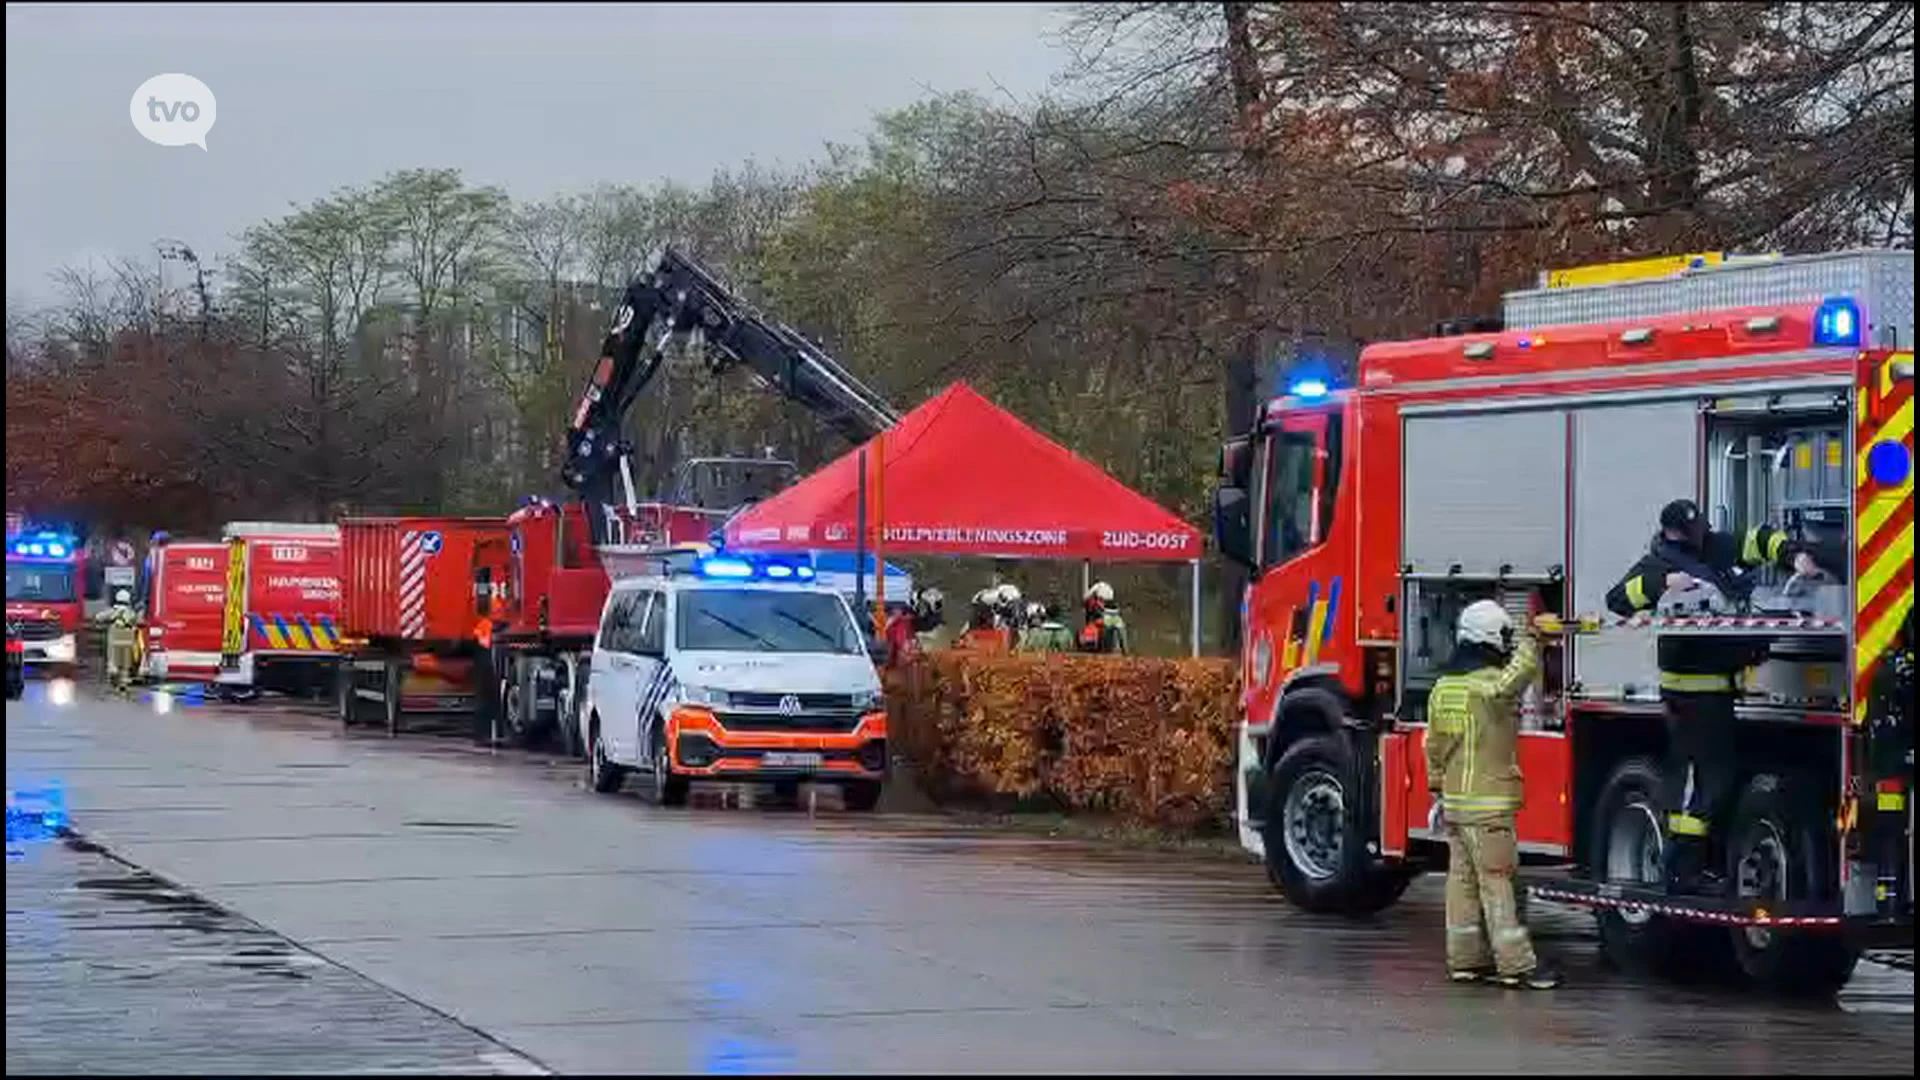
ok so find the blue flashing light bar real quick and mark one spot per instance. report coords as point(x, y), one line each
point(43, 545)
point(1837, 322)
point(740, 568)
point(1309, 388)
point(724, 568)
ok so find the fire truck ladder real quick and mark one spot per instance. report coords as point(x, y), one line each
point(680, 297)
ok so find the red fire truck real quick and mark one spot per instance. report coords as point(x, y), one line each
point(185, 589)
point(282, 600)
point(46, 595)
point(1527, 463)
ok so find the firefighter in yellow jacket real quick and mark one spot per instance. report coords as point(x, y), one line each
point(122, 624)
point(1473, 771)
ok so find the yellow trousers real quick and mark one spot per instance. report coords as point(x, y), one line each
point(1483, 923)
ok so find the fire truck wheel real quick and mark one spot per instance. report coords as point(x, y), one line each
point(1626, 846)
point(603, 776)
point(1314, 837)
point(1780, 848)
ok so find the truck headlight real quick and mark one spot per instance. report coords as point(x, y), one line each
point(866, 700)
point(60, 648)
point(704, 695)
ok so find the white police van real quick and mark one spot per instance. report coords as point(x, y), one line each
point(716, 666)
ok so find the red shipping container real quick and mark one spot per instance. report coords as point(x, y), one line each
point(422, 579)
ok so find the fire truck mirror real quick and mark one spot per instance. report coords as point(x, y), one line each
point(1236, 462)
point(1233, 524)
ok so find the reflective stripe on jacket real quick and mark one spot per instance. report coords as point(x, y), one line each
point(1473, 727)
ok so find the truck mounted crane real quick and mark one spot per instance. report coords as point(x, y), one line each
point(680, 297)
point(548, 589)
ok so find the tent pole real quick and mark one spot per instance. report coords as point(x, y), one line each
point(860, 539)
point(879, 533)
point(1195, 612)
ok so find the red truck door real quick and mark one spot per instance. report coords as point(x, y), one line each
point(186, 609)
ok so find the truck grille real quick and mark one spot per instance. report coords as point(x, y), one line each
point(774, 720)
point(808, 702)
point(34, 630)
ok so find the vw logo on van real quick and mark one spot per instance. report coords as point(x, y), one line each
point(790, 705)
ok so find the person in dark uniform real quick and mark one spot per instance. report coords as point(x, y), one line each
point(1698, 674)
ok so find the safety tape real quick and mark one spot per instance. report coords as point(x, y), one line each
point(1546, 892)
point(1713, 622)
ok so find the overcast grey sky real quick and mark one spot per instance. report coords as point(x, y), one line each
point(538, 99)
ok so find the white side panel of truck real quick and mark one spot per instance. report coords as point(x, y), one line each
point(1628, 462)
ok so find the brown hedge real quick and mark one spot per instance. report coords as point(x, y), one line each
point(1142, 739)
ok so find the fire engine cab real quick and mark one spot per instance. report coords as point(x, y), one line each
point(1527, 463)
point(46, 596)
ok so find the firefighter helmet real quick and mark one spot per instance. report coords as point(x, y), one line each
point(1485, 623)
point(1100, 591)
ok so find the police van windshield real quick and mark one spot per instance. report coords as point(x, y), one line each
point(48, 584)
point(748, 620)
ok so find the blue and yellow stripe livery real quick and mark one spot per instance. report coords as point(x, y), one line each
point(295, 632)
point(1321, 610)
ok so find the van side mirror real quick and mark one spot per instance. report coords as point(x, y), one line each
point(1233, 525)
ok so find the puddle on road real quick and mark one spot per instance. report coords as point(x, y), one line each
point(261, 952)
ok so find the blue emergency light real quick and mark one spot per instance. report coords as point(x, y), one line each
point(738, 568)
point(1308, 388)
point(1889, 463)
point(42, 545)
point(1837, 322)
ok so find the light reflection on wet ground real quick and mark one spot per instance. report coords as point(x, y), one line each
point(611, 935)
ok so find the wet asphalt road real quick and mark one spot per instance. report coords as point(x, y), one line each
point(451, 910)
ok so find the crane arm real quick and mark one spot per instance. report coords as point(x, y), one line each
point(676, 297)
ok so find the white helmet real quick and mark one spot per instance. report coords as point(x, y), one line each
point(1008, 594)
point(983, 598)
point(1100, 591)
point(122, 596)
point(1036, 612)
point(931, 599)
point(1485, 623)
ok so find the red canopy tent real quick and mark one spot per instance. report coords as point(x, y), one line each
point(961, 476)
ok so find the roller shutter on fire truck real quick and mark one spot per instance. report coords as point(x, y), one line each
point(415, 578)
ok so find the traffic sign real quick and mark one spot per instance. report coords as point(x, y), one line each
point(123, 553)
point(120, 575)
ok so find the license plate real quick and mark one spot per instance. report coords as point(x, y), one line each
point(788, 759)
